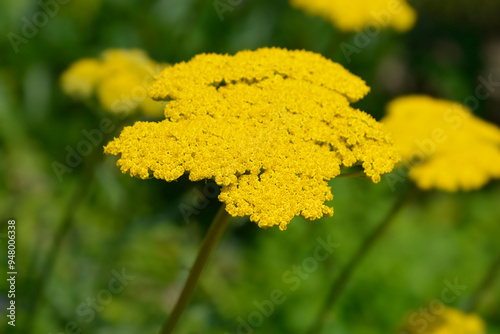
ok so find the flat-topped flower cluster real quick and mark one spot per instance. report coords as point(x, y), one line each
point(271, 126)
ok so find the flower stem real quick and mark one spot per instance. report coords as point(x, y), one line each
point(213, 235)
point(485, 285)
point(338, 286)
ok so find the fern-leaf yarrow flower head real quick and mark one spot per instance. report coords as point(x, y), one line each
point(271, 126)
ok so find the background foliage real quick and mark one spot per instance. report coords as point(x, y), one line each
point(111, 221)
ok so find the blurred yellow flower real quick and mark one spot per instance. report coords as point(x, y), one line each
point(449, 321)
point(81, 77)
point(354, 15)
point(119, 78)
point(272, 127)
point(444, 145)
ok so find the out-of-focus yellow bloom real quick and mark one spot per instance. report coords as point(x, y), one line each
point(449, 321)
point(81, 77)
point(113, 89)
point(353, 15)
point(272, 126)
point(119, 78)
point(443, 143)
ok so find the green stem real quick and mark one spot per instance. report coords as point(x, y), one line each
point(338, 286)
point(485, 285)
point(213, 235)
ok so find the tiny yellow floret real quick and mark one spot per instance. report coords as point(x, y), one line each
point(354, 15)
point(271, 126)
point(443, 144)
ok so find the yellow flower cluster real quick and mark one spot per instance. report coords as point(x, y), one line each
point(271, 126)
point(450, 321)
point(443, 143)
point(119, 78)
point(353, 15)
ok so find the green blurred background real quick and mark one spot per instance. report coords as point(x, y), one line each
point(104, 222)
